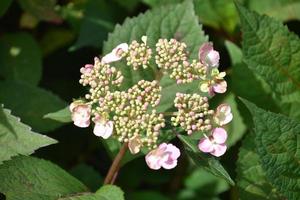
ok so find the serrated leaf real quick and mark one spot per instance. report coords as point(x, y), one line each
point(173, 21)
point(251, 178)
point(106, 192)
point(20, 58)
point(277, 142)
point(63, 115)
point(36, 179)
point(272, 52)
point(281, 9)
point(43, 10)
point(204, 161)
point(17, 138)
point(4, 5)
point(31, 104)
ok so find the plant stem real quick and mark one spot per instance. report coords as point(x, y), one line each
point(115, 166)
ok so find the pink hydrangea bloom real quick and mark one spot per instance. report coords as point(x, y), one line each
point(116, 53)
point(223, 114)
point(81, 114)
point(214, 144)
point(103, 128)
point(165, 156)
point(208, 56)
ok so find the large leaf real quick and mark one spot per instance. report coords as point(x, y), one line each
point(31, 104)
point(204, 161)
point(107, 192)
point(251, 181)
point(63, 115)
point(17, 138)
point(35, 179)
point(20, 58)
point(277, 142)
point(173, 21)
point(273, 53)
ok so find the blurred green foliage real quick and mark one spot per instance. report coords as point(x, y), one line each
point(43, 44)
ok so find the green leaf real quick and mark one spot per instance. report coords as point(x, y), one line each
point(219, 14)
point(272, 52)
point(97, 19)
point(31, 104)
point(35, 179)
point(251, 178)
point(173, 21)
point(43, 10)
point(20, 58)
point(106, 192)
point(204, 161)
point(204, 184)
point(277, 141)
point(281, 9)
point(63, 115)
point(146, 195)
point(87, 175)
point(235, 53)
point(4, 5)
point(17, 138)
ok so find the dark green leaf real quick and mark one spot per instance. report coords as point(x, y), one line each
point(36, 179)
point(4, 5)
point(20, 58)
point(277, 140)
point(31, 104)
point(252, 181)
point(17, 138)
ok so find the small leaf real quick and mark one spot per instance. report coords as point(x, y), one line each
point(63, 115)
point(17, 138)
point(251, 178)
point(36, 179)
point(20, 58)
point(4, 5)
point(277, 141)
point(43, 10)
point(204, 161)
point(31, 104)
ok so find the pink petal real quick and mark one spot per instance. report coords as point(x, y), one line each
point(219, 150)
point(219, 135)
point(173, 150)
point(80, 114)
point(208, 56)
point(213, 58)
point(204, 50)
point(223, 114)
point(170, 164)
point(103, 130)
point(220, 87)
point(152, 160)
point(205, 145)
point(115, 55)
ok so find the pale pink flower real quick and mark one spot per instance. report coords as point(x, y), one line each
point(116, 53)
point(87, 69)
point(135, 144)
point(223, 114)
point(208, 56)
point(214, 144)
point(165, 156)
point(103, 128)
point(81, 114)
point(217, 85)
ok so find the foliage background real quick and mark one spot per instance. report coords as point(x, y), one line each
point(43, 44)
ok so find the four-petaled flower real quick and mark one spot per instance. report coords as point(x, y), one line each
point(81, 114)
point(208, 56)
point(103, 128)
point(165, 156)
point(116, 53)
point(215, 143)
point(216, 85)
point(223, 115)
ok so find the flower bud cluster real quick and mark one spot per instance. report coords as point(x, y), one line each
point(100, 77)
point(139, 54)
point(193, 113)
point(172, 57)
